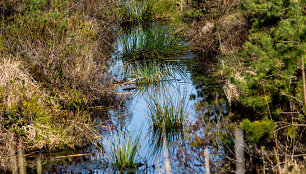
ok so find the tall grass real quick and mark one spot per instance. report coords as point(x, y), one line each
point(150, 42)
point(168, 111)
point(135, 11)
point(144, 11)
point(122, 151)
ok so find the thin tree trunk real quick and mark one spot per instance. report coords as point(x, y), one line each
point(206, 155)
point(239, 150)
point(21, 159)
point(38, 165)
point(303, 76)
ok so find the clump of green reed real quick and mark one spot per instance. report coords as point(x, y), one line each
point(123, 151)
point(167, 111)
point(135, 11)
point(150, 42)
point(144, 11)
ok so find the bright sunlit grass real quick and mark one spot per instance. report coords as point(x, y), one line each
point(150, 42)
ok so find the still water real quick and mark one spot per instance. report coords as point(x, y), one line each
point(177, 81)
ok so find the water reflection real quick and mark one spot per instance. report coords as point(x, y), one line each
point(16, 156)
point(147, 77)
point(159, 139)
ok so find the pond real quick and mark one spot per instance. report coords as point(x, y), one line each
point(159, 77)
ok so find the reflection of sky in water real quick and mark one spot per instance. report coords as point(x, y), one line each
point(175, 88)
point(134, 118)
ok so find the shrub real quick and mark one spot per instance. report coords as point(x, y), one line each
point(272, 57)
point(258, 129)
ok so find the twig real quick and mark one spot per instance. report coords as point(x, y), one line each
point(293, 97)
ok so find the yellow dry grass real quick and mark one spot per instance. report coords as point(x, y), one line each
point(15, 81)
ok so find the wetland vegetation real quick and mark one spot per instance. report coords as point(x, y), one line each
point(152, 86)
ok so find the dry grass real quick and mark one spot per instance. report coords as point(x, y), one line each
point(222, 30)
point(15, 81)
point(231, 92)
point(292, 167)
point(53, 69)
point(18, 88)
point(60, 48)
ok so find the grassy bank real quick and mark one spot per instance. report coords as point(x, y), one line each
point(53, 62)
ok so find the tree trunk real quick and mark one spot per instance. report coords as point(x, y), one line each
point(239, 150)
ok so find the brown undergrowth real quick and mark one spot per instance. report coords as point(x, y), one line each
point(53, 72)
point(217, 26)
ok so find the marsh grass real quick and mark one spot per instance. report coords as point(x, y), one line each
point(153, 72)
point(132, 12)
point(122, 151)
point(150, 42)
point(144, 11)
point(168, 111)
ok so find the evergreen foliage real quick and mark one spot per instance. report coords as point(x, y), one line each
point(258, 129)
point(272, 56)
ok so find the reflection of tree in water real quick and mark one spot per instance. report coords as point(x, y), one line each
point(211, 130)
point(156, 145)
point(211, 100)
point(121, 116)
point(214, 135)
